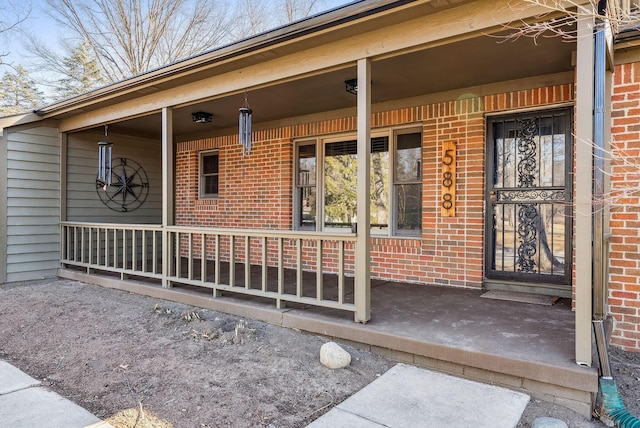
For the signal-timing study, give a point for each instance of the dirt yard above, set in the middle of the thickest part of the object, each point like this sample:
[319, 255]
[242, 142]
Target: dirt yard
[111, 351]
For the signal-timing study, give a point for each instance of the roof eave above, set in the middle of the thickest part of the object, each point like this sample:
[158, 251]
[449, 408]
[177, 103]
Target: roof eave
[332, 18]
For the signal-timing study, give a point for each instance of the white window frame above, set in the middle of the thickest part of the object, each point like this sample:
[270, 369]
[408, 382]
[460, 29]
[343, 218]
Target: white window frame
[201, 175]
[297, 200]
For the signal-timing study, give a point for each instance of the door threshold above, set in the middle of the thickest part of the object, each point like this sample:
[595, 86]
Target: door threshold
[528, 287]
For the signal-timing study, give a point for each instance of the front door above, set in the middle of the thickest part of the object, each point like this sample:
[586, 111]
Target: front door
[529, 193]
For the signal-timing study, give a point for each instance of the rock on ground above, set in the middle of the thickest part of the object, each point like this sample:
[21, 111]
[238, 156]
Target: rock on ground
[333, 356]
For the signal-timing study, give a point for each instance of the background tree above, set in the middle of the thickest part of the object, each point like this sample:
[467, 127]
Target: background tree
[340, 189]
[251, 17]
[18, 92]
[379, 187]
[80, 72]
[298, 9]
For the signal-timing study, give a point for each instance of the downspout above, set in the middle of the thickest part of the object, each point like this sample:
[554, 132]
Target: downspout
[612, 406]
[599, 92]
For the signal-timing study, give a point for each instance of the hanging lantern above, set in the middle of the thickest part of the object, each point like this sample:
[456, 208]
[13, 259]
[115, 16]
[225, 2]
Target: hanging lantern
[104, 159]
[244, 132]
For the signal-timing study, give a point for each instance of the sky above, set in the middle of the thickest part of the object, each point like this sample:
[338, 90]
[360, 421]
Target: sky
[37, 22]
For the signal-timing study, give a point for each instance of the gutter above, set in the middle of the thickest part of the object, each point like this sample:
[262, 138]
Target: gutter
[332, 18]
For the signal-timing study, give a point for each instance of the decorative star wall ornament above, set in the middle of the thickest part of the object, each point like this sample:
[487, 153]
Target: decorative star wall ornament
[128, 188]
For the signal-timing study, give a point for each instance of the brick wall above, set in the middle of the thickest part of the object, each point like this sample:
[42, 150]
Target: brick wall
[624, 255]
[453, 246]
[256, 192]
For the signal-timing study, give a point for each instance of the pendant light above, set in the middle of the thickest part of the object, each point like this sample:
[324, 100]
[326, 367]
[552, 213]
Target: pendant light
[104, 158]
[244, 132]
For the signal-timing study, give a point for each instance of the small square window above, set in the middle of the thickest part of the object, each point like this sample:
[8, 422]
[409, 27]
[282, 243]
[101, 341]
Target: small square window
[209, 175]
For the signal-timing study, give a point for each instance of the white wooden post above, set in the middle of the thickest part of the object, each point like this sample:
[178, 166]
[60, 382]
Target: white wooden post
[583, 191]
[363, 243]
[168, 197]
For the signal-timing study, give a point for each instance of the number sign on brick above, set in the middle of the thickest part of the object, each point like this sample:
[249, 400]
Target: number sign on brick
[448, 179]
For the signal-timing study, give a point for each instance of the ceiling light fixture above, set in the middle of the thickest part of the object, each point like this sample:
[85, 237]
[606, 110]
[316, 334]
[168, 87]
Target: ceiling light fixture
[201, 117]
[351, 86]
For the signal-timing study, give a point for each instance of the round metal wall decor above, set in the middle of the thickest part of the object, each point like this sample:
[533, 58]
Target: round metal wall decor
[129, 186]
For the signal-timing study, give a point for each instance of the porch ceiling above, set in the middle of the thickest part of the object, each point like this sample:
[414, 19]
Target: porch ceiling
[459, 65]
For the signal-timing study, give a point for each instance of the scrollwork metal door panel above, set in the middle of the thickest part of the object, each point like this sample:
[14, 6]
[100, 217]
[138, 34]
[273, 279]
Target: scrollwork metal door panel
[529, 194]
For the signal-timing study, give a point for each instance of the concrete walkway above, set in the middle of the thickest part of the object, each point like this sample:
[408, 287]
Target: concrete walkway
[407, 396]
[25, 403]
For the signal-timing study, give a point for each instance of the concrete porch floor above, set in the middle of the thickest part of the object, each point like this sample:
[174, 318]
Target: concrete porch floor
[522, 346]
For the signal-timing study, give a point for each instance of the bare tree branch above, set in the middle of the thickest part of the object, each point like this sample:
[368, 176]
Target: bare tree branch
[298, 9]
[560, 17]
[12, 14]
[252, 17]
[257, 16]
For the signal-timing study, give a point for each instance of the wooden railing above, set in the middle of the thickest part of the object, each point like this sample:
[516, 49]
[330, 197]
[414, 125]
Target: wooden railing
[304, 268]
[125, 249]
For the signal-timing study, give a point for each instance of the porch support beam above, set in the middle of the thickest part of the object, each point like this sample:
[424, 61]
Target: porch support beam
[583, 191]
[363, 243]
[167, 190]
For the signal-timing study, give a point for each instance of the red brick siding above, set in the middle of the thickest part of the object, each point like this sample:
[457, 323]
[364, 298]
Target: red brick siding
[624, 255]
[255, 191]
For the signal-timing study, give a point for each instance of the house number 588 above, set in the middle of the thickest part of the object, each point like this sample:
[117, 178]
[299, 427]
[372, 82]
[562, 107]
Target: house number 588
[448, 179]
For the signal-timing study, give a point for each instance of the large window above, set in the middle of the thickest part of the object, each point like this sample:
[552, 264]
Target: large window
[325, 196]
[209, 174]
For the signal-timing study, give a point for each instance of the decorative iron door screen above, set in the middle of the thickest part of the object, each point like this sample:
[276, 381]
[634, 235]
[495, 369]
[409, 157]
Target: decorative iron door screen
[529, 193]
